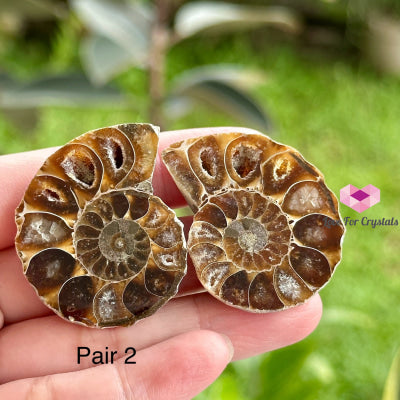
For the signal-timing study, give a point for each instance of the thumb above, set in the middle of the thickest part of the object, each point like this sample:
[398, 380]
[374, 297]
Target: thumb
[176, 369]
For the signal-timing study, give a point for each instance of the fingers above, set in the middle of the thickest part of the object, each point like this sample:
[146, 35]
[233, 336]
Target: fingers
[17, 170]
[18, 299]
[250, 334]
[176, 369]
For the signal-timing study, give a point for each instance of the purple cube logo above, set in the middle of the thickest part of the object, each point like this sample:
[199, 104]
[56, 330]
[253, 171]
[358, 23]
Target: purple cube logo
[360, 199]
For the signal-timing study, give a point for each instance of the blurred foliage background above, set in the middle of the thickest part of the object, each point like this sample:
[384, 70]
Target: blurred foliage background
[320, 75]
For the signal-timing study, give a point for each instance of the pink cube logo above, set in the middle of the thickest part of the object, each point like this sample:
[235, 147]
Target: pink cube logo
[360, 199]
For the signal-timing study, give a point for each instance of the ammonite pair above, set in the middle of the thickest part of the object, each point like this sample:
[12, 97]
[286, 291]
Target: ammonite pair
[102, 251]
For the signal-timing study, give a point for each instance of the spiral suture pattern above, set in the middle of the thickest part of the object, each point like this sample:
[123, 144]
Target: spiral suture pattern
[266, 233]
[97, 246]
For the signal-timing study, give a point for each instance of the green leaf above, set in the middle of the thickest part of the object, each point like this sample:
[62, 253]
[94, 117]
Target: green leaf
[64, 90]
[103, 58]
[203, 16]
[218, 91]
[128, 25]
[232, 74]
[391, 390]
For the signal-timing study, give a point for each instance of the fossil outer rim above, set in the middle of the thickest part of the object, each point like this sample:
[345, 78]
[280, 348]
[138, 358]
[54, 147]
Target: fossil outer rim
[108, 160]
[185, 166]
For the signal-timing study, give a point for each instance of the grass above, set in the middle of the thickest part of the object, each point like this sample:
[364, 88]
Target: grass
[345, 119]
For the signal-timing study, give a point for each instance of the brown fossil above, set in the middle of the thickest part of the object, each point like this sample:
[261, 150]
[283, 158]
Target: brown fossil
[97, 246]
[266, 233]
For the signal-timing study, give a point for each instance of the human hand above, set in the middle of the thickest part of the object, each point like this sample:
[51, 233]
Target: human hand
[181, 349]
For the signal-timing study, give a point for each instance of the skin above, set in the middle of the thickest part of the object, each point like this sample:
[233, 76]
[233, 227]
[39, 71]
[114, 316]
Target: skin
[181, 349]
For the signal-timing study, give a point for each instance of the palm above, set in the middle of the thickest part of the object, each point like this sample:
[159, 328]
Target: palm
[181, 349]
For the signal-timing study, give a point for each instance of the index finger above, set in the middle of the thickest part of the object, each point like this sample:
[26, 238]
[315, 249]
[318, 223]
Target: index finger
[17, 170]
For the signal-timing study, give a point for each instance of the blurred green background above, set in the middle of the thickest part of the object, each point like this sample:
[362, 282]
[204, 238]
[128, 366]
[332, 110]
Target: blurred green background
[322, 76]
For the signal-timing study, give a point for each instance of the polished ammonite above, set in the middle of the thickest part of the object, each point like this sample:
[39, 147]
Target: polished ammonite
[266, 233]
[97, 246]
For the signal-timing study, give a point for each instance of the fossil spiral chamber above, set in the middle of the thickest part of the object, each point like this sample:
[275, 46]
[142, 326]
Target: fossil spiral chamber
[99, 248]
[266, 233]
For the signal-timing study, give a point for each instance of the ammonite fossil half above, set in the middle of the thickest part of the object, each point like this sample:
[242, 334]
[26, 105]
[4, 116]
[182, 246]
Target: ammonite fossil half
[267, 232]
[95, 243]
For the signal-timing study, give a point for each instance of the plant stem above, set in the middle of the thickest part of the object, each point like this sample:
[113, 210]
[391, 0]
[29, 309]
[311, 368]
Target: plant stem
[159, 47]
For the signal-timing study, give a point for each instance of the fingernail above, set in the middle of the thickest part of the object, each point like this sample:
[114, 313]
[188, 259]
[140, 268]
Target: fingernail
[230, 345]
[1, 319]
